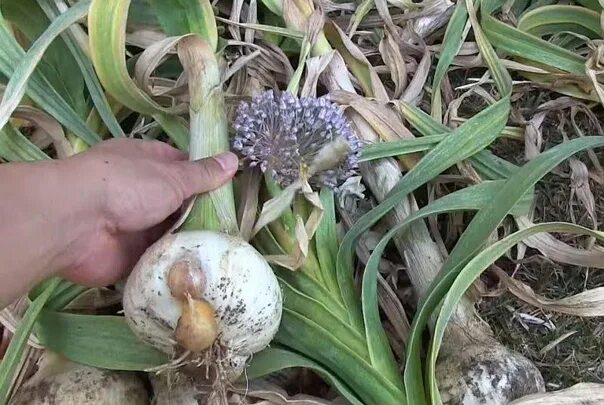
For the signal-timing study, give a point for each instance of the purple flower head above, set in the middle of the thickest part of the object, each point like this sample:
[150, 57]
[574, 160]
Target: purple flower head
[282, 134]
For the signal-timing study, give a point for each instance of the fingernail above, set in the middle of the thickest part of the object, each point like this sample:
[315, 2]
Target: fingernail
[228, 161]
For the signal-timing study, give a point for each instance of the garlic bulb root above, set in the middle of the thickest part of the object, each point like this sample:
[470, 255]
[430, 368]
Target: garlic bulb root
[181, 391]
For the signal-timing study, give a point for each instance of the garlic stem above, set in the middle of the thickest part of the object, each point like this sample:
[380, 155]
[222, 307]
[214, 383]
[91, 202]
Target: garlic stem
[209, 133]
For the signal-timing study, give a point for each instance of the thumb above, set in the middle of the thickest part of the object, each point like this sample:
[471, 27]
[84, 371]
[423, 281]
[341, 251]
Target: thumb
[204, 175]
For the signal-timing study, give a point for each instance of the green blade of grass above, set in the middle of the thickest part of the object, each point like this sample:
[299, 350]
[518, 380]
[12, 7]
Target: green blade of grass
[176, 128]
[491, 166]
[557, 18]
[181, 17]
[403, 147]
[326, 240]
[271, 31]
[481, 226]
[451, 44]
[62, 295]
[591, 4]
[360, 12]
[487, 164]
[71, 292]
[107, 29]
[39, 289]
[275, 359]
[19, 340]
[92, 82]
[304, 335]
[502, 78]
[141, 14]
[275, 6]
[321, 314]
[57, 64]
[96, 340]
[305, 48]
[15, 90]
[517, 43]
[15, 147]
[308, 286]
[40, 89]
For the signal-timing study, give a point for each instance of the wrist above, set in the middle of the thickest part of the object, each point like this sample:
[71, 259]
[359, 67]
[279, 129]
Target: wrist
[81, 213]
[40, 222]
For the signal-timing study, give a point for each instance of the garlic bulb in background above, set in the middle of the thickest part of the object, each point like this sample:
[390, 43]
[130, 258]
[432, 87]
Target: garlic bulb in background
[476, 369]
[578, 394]
[59, 381]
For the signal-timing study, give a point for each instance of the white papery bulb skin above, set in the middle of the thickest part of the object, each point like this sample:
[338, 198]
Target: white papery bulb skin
[477, 374]
[184, 277]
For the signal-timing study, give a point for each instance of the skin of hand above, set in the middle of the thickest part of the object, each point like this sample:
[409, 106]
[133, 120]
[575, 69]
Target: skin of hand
[88, 218]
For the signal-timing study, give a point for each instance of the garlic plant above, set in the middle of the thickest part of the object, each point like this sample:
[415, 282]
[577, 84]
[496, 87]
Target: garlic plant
[203, 293]
[284, 136]
[474, 367]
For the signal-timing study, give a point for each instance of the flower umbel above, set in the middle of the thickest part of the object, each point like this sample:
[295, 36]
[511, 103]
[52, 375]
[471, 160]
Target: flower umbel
[283, 135]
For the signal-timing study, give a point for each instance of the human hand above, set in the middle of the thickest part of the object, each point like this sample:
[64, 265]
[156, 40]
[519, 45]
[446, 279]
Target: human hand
[134, 188]
[101, 208]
